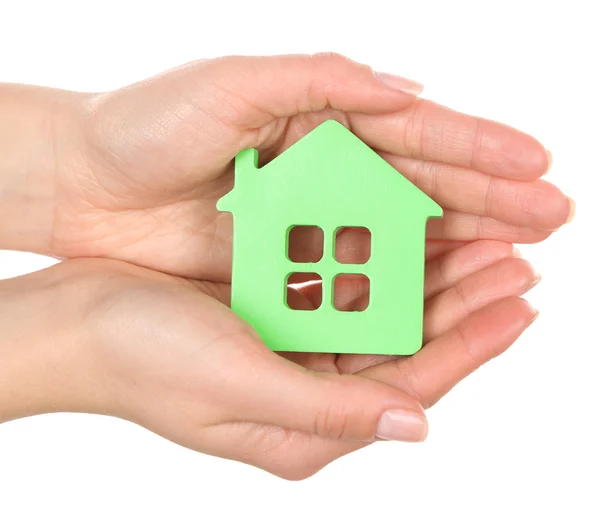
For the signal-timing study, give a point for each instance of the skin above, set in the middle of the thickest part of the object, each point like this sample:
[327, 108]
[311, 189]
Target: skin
[125, 184]
[131, 173]
[107, 337]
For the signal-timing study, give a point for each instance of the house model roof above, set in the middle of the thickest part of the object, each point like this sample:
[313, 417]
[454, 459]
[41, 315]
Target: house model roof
[329, 167]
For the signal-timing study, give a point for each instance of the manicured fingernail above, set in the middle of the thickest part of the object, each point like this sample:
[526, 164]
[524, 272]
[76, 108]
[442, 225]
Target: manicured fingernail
[402, 425]
[399, 83]
[549, 161]
[572, 209]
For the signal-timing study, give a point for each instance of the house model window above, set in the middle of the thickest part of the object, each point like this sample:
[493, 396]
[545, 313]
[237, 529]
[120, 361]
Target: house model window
[346, 292]
[291, 217]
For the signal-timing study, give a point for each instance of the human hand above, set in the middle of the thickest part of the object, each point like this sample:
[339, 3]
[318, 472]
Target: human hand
[166, 353]
[137, 171]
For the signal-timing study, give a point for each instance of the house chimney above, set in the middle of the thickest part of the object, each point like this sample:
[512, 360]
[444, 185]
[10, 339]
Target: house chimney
[246, 162]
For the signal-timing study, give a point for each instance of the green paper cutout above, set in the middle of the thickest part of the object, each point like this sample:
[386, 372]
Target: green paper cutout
[329, 179]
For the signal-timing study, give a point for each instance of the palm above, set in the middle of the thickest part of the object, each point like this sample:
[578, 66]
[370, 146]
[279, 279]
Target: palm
[165, 216]
[157, 161]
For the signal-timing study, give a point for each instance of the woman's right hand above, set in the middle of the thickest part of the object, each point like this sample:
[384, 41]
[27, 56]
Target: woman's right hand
[134, 174]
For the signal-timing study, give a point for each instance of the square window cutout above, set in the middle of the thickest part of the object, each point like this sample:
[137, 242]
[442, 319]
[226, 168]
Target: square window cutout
[351, 292]
[352, 245]
[305, 243]
[311, 297]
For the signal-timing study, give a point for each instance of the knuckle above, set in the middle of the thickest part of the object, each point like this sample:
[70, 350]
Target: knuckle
[484, 250]
[407, 379]
[466, 346]
[418, 133]
[462, 300]
[333, 422]
[328, 71]
[445, 272]
[330, 58]
[333, 61]
[490, 197]
[530, 201]
[476, 148]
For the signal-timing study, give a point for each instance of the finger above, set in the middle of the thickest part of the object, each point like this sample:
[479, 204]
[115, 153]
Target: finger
[437, 248]
[250, 92]
[354, 363]
[340, 407]
[444, 272]
[439, 273]
[321, 362]
[445, 361]
[351, 292]
[430, 132]
[538, 204]
[447, 262]
[469, 280]
[459, 226]
[509, 277]
[352, 245]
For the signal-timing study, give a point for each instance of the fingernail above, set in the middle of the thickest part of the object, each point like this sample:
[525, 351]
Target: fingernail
[517, 253]
[534, 313]
[399, 83]
[535, 316]
[533, 282]
[536, 279]
[549, 161]
[402, 425]
[572, 209]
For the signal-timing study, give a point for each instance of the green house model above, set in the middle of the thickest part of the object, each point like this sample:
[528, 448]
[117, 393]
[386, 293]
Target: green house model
[332, 180]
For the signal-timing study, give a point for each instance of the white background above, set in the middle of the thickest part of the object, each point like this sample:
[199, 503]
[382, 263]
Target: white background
[515, 447]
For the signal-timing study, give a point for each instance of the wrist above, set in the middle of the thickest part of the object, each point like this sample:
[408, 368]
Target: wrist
[44, 366]
[38, 141]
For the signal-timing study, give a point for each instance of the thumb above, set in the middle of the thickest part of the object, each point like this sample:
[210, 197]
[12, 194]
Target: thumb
[193, 120]
[332, 406]
[250, 92]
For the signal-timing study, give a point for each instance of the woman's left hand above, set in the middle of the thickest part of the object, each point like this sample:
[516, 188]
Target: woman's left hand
[102, 336]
